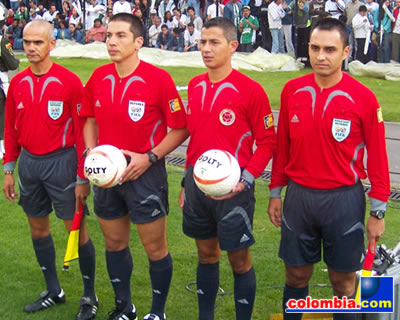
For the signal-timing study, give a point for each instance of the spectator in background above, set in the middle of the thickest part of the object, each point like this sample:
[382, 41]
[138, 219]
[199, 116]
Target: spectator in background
[107, 17]
[168, 19]
[76, 35]
[212, 10]
[12, 31]
[383, 19]
[22, 12]
[18, 41]
[287, 26]
[195, 4]
[94, 11]
[194, 18]
[371, 6]
[154, 31]
[361, 28]
[75, 18]
[302, 24]
[14, 4]
[233, 11]
[351, 10]
[317, 7]
[10, 18]
[164, 7]
[179, 19]
[248, 27]
[66, 9]
[63, 32]
[42, 9]
[396, 33]
[121, 6]
[266, 39]
[163, 38]
[33, 13]
[276, 11]
[177, 42]
[51, 14]
[192, 38]
[335, 8]
[97, 33]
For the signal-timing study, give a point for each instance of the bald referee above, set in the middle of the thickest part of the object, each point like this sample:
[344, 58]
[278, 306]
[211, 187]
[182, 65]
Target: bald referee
[327, 120]
[43, 130]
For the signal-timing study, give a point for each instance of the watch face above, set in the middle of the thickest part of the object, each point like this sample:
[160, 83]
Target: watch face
[380, 214]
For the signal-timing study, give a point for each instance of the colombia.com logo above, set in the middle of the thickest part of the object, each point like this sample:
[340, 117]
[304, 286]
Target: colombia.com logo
[376, 296]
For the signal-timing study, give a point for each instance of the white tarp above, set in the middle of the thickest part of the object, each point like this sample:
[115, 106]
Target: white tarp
[259, 60]
[388, 71]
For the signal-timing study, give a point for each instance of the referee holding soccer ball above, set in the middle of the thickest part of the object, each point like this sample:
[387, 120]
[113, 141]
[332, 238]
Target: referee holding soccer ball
[226, 111]
[326, 121]
[43, 130]
[129, 104]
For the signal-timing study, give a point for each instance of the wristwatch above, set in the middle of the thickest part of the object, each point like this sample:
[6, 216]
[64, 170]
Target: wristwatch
[379, 214]
[247, 185]
[153, 158]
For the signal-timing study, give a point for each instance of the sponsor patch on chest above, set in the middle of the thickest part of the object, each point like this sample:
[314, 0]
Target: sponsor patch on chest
[55, 109]
[136, 110]
[340, 129]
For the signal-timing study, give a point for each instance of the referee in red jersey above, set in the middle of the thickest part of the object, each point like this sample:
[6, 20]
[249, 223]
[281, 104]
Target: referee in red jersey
[43, 130]
[227, 111]
[327, 120]
[129, 104]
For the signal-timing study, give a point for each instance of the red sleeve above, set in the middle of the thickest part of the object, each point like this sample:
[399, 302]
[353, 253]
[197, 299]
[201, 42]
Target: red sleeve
[79, 122]
[86, 109]
[10, 133]
[281, 158]
[171, 103]
[263, 131]
[377, 161]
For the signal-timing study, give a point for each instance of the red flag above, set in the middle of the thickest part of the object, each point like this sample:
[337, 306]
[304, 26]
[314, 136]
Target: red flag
[73, 239]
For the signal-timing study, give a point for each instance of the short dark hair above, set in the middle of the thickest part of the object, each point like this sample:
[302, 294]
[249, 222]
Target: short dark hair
[190, 24]
[177, 31]
[330, 24]
[164, 26]
[190, 8]
[135, 24]
[97, 19]
[362, 8]
[227, 26]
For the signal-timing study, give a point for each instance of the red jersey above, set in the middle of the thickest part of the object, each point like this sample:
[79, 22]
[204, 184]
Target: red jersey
[322, 134]
[42, 114]
[230, 115]
[133, 113]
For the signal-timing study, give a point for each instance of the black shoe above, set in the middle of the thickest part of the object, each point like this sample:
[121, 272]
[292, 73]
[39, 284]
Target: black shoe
[45, 301]
[88, 308]
[117, 314]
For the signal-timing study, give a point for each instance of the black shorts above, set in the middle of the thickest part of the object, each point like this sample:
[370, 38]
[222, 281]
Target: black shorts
[46, 181]
[230, 220]
[144, 199]
[335, 217]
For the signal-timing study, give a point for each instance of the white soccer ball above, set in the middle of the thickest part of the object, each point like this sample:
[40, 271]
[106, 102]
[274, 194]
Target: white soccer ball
[216, 172]
[104, 165]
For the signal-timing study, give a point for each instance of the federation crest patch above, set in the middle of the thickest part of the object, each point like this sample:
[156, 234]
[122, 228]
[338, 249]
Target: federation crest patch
[379, 114]
[55, 109]
[136, 110]
[269, 121]
[227, 117]
[340, 129]
[174, 105]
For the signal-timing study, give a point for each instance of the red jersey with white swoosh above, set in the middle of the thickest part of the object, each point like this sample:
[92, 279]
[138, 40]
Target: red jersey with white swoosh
[230, 115]
[42, 114]
[133, 112]
[322, 135]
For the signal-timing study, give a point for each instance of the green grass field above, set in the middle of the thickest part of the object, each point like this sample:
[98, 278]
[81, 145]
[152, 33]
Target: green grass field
[272, 82]
[22, 280]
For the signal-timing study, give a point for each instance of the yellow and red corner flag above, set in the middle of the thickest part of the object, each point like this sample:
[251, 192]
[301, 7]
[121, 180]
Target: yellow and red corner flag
[367, 267]
[73, 239]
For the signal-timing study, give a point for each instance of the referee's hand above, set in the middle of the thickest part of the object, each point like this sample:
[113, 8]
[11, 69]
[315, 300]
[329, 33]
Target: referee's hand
[8, 187]
[275, 211]
[375, 228]
[138, 164]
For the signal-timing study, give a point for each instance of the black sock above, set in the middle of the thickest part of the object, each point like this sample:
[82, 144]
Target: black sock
[207, 289]
[87, 264]
[160, 275]
[119, 266]
[46, 256]
[293, 293]
[245, 293]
